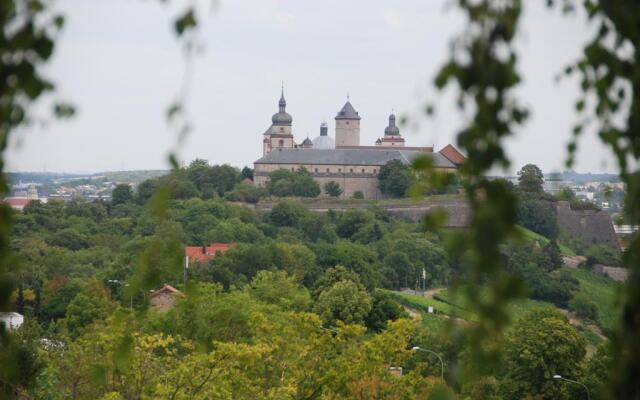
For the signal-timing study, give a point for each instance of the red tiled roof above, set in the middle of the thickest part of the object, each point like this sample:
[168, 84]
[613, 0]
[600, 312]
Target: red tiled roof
[166, 289]
[17, 201]
[452, 154]
[205, 253]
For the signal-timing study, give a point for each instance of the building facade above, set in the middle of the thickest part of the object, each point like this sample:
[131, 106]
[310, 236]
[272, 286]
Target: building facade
[343, 160]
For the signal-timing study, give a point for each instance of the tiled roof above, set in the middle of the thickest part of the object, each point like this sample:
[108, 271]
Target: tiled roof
[205, 253]
[452, 154]
[360, 157]
[17, 201]
[166, 289]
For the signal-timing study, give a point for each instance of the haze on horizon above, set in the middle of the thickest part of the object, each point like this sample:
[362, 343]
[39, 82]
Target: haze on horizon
[120, 64]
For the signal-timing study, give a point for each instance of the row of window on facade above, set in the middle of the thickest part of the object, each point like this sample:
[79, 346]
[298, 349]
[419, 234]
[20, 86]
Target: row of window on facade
[339, 170]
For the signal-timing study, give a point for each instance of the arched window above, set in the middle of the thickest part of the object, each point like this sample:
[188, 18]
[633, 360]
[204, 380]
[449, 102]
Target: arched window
[327, 169]
[281, 143]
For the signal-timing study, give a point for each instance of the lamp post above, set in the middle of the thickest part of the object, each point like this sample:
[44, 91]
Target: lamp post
[416, 348]
[125, 284]
[118, 282]
[560, 377]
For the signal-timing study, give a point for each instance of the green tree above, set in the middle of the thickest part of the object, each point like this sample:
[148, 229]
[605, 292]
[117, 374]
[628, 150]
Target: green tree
[345, 301]
[122, 194]
[395, 179]
[91, 304]
[530, 179]
[358, 194]
[584, 307]
[146, 190]
[281, 289]
[287, 213]
[350, 222]
[383, 309]
[333, 189]
[247, 173]
[540, 345]
[538, 215]
[332, 276]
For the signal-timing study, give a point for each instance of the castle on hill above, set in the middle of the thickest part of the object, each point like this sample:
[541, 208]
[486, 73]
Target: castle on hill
[342, 160]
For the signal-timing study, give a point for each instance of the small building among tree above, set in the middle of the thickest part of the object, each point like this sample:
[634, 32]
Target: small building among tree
[165, 298]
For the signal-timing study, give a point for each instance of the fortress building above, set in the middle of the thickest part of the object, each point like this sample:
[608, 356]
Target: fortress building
[343, 160]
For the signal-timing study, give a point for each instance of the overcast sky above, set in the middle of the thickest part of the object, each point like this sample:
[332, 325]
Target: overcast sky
[120, 64]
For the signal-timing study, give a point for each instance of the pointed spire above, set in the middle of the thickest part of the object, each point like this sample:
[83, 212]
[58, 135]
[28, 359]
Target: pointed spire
[282, 104]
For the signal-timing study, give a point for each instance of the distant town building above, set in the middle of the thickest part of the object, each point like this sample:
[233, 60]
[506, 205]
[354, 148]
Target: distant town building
[165, 298]
[343, 160]
[23, 197]
[17, 203]
[11, 320]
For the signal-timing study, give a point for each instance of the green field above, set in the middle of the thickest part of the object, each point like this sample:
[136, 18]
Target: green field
[531, 235]
[603, 291]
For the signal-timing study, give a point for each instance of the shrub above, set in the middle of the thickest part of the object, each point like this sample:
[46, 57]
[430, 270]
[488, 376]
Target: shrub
[332, 189]
[358, 194]
[584, 307]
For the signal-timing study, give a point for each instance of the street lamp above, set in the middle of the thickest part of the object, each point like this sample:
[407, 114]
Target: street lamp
[559, 377]
[118, 282]
[416, 348]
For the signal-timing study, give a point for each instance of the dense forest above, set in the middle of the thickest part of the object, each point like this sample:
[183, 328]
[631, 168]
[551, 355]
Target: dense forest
[303, 305]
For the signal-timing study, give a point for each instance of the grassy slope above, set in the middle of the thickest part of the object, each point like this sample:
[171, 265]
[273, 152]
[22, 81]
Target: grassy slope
[518, 310]
[603, 291]
[535, 236]
[422, 304]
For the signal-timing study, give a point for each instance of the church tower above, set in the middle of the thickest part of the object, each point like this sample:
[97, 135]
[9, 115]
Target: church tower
[279, 133]
[391, 134]
[347, 126]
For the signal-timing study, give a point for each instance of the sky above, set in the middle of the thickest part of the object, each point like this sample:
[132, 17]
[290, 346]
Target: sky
[119, 62]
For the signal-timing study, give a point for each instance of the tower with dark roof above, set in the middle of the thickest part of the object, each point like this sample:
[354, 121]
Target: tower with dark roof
[347, 126]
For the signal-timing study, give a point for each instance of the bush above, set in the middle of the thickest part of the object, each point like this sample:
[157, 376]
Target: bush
[358, 194]
[584, 307]
[246, 193]
[602, 254]
[332, 189]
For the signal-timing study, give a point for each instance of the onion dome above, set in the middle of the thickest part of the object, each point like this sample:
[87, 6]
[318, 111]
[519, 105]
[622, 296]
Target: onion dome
[378, 142]
[307, 143]
[347, 112]
[282, 117]
[324, 142]
[392, 129]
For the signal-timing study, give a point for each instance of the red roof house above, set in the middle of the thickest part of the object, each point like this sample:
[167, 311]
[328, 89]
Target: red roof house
[452, 154]
[202, 254]
[17, 203]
